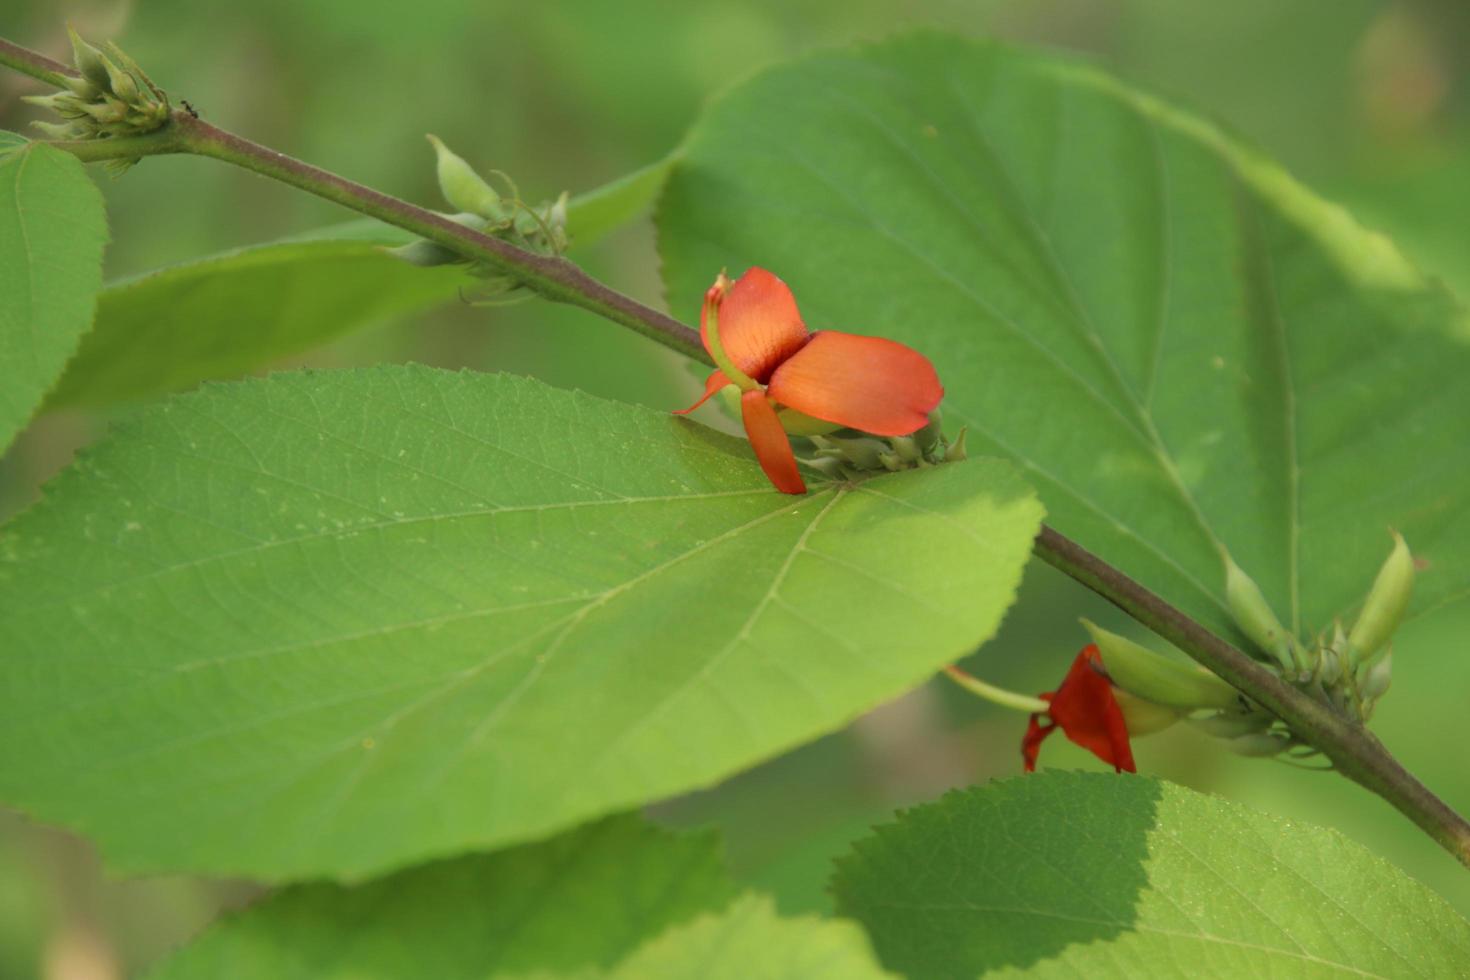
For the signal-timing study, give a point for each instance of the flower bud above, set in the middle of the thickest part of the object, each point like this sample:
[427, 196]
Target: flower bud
[1329, 667]
[1233, 724]
[82, 88]
[861, 452]
[426, 254]
[91, 62]
[930, 439]
[1386, 602]
[462, 187]
[55, 131]
[906, 448]
[1377, 678]
[1252, 613]
[1138, 670]
[121, 83]
[1260, 745]
[956, 451]
[1144, 717]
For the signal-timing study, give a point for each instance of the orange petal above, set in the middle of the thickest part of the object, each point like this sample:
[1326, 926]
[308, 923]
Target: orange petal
[760, 325]
[712, 384]
[1088, 714]
[867, 383]
[772, 447]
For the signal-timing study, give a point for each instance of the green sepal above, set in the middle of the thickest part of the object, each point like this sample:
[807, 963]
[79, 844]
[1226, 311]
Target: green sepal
[1153, 677]
[1233, 724]
[462, 187]
[1261, 745]
[1386, 602]
[1253, 614]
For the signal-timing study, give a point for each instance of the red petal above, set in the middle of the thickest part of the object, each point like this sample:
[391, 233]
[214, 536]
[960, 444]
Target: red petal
[868, 383]
[760, 325]
[1088, 714]
[1031, 744]
[712, 384]
[772, 447]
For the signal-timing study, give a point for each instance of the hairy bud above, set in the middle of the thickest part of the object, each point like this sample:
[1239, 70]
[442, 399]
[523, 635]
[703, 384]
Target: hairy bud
[1386, 602]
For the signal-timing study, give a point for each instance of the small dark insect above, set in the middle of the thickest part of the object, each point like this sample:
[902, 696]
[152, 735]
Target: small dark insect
[188, 108]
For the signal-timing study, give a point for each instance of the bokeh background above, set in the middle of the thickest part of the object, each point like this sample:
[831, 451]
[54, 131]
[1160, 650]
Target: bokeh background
[1368, 102]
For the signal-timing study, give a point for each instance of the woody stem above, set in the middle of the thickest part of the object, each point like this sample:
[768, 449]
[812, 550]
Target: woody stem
[1353, 750]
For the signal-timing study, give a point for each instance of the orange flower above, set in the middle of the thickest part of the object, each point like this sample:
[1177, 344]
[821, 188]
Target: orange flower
[792, 380]
[1086, 711]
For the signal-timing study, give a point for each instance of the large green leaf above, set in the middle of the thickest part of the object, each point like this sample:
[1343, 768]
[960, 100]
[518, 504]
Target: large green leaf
[52, 229]
[617, 900]
[1180, 345]
[1094, 875]
[585, 899]
[330, 623]
[230, 314]
[750, 942]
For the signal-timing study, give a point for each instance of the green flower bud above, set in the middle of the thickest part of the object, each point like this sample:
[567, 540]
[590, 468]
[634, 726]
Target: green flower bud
[122, 83]
[956, 450]
[1260, 745]
[462, 187]
[1376, 679]
[1143, 717]
[930, 439]
[1329, 667]
[58, 131]
[1138, 670]
[905, 448]
[1252, 613]
[1233, 724]
[862, 452]
[1386, 602]
[82, 88]
[426, 254]
[91, 62]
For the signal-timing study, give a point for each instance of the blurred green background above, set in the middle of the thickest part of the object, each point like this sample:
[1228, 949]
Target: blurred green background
[1366, 101]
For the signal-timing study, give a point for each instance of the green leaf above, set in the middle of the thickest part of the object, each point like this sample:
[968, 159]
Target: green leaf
[229, 314]
[585, 899]
[1094, 875]
[332, 623]
[232, 313]
[595, 214]
[11, 141]
[1180, 345]
[52, 230]
[750, 942]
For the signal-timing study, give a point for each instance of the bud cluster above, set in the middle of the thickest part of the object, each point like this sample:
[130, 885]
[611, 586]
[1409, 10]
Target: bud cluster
[479, 206]
[845, 453]
[1349, 671]
[113, 97]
